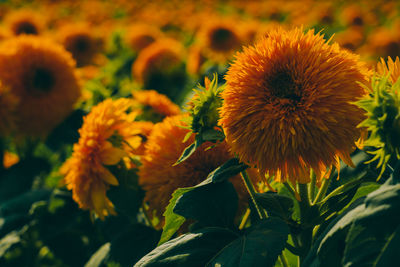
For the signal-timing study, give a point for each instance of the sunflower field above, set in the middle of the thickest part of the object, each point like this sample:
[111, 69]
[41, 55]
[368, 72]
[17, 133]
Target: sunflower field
[199, 133]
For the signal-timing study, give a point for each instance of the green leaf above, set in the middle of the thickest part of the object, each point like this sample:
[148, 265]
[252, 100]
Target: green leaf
[8, 241]
[189, 150]
[336, 202]
[212, 135]
[173, 221]
[229, 169]
[193, 249]
[259, 246]
[210, 204]
[373, 226]
[275, 204]
[100, 257]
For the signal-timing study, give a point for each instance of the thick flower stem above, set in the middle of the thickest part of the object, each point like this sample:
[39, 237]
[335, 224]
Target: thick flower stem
[252, 192]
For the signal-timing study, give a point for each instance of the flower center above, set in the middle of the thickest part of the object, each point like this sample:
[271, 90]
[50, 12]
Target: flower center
[281, 85]
[223, 39]
[43, 80]
[26, 28]
[82, 43]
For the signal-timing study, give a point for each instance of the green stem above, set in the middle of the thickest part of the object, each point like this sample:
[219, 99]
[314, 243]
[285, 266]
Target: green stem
[312, 185]
[252, 192]
[245, 218]
[322, 190]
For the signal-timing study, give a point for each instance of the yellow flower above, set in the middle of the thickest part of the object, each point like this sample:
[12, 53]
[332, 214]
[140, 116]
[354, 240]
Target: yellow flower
[288, 104]
[41, 75]
[107, 135]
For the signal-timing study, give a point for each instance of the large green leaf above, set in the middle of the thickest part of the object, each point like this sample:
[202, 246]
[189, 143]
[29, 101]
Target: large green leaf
[259, 246]
[373, 226]
[360, 236]
[275, 204]
[174, 221]
[212, 204]
[193, 249]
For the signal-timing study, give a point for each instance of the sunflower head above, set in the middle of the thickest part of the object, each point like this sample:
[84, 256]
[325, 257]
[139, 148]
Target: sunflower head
[80, 41]
[383, 121]
[106, 137]
[219, 40]
[160, 66]
[288, 104]
[42, 76]
[25, 22]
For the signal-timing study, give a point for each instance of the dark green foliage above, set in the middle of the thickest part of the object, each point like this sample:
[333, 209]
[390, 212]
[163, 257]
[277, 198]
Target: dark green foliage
[192, 249]
[260, 245]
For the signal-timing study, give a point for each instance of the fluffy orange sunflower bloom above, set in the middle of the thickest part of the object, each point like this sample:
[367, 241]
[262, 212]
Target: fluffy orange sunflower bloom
[391, 66]
[41, 75]
[288, 104]
[159, 103]
[106, 137]
[159, 178]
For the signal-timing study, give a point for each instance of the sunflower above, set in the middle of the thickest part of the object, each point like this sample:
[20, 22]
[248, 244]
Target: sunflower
[288, 104]
[25, 22]
[80, 41]
[41, 75]
[106, 137]
[158, 57]
[155, 105]
[160, 66]
[219, 39]
[392, 67]
[159, 178]
[140, 36]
